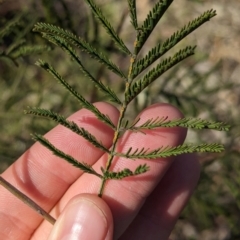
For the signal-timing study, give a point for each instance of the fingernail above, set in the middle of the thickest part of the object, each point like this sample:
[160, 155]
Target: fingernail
[81, 220]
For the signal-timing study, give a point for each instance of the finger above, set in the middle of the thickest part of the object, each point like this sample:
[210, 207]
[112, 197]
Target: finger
[125, 197]
[85, 217]
[44, 177]
[161, 210]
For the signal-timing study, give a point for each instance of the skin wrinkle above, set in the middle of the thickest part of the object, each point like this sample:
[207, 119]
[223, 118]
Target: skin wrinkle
[58, 179]
[8, 229]
[13, 222]
[25, 180]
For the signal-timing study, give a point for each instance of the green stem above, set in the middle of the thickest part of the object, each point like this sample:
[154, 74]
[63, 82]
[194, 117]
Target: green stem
[102, 188]
[118, 128]
[115, 139]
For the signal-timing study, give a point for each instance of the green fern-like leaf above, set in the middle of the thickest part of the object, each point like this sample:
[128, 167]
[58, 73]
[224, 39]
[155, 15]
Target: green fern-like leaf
[68, 124]
[150, 23]
[105, 89]
[195, 123]
[141, 169]
[125, 172]
[72, 39]
[118, 175]
[158, 51]
[134, 85]
[133, 13]
[83, 166]
[104, 118]
[106, 24]
[156, 72]
[164, 152]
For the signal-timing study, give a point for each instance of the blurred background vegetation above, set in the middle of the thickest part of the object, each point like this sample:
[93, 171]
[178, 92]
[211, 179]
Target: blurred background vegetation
[205, 85]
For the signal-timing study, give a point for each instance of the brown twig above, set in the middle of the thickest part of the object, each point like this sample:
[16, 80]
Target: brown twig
[27, 200]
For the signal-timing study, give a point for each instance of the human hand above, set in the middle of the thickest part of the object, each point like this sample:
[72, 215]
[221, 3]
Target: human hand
[140, 207]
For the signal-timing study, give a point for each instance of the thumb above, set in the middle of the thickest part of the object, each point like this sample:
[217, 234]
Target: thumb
[87, 217]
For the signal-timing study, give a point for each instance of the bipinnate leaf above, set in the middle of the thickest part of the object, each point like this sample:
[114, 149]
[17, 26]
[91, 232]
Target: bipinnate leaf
[140, 76]
[67, 48]
[133, 12]
[125, 172]
[68, 124]
[72, 39]
[137, 86]
[158, 51]
[104, 118]
[83, 166]
[168, 151]
[195, 123]
[108, 27]
[150, 23]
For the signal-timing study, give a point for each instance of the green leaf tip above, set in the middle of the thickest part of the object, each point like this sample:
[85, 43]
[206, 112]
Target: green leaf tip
[133, 13]
[150, 23]
[109, 29]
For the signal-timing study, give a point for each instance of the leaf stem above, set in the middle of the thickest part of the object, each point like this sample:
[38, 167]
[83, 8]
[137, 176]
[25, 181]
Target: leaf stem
[102, 187]
[27, 200]
[115, 139]
[119, 124]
